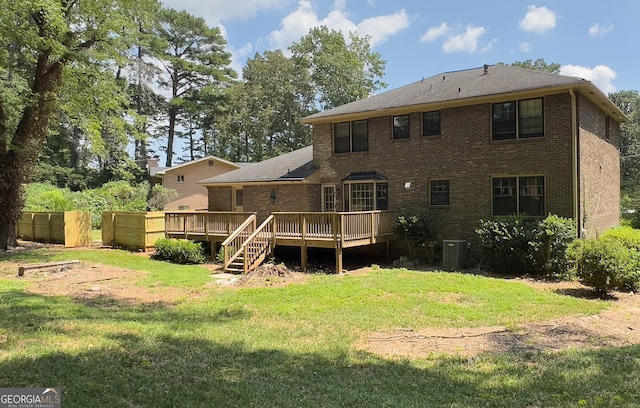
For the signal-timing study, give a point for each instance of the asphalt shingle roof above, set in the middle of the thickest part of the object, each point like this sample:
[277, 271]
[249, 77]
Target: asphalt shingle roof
[293, 166]
[456, 86]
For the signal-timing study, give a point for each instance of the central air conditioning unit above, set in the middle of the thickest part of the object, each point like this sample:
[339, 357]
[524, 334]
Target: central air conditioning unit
[454, 254]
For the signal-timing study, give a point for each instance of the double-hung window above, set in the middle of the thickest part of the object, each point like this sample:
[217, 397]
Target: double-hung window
[401, 127]
[518, 195]
[439, 192]
[431, 123]
[518, 119]
[350, 137]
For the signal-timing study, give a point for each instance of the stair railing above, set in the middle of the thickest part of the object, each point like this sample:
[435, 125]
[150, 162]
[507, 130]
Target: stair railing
[232, 247]
[259, 244]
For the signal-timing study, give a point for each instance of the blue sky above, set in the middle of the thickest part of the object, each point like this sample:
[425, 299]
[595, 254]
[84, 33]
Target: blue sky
[595, 40]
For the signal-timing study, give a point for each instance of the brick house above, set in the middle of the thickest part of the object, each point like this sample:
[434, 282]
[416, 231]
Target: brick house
[469, 144]
[289, 182]
[184, 179]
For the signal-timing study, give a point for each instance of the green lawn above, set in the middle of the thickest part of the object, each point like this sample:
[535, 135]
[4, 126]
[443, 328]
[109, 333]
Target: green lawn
[293, 346]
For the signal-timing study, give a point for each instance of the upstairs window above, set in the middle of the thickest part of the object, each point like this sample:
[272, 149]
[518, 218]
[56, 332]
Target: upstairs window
[350, 137]
[530, 118]
[517, 120]
[401, 127]
[180, 179]
[431, 123]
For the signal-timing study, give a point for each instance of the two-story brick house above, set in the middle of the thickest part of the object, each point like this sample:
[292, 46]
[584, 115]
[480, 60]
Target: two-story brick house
[469, 144]
[473, 144]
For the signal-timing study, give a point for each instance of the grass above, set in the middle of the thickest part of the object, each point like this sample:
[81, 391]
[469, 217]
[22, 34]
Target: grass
[293, 346]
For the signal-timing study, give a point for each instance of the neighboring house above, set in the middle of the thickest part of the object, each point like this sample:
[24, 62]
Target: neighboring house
[289, 182]
[184, 179]
[468, 144]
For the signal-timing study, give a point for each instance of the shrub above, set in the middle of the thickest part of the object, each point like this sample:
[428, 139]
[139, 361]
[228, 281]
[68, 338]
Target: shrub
[603, 264]
[417, 226]
[629, 238]
[179, 251]
[551, 238]
[505, 242]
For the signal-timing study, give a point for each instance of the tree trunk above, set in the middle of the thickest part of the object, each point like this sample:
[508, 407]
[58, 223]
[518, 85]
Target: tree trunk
[173, 112]
[16, 162]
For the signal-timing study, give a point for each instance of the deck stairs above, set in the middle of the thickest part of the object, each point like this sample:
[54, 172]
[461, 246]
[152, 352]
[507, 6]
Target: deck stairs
[248, 246]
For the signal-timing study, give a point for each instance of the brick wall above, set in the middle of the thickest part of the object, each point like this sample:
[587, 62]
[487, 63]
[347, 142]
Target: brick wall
[599, 170]
[288, 197]
[220, 199]
[465, 155]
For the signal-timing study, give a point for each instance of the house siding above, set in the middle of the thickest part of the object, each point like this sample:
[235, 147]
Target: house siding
[599, 170]
[466, 155]
[190, 193]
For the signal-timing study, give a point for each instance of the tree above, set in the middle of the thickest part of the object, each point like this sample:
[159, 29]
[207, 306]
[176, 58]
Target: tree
[193, 57]
[629, 103]
[537, 65]
[269, 105]
[48, 36]
[342, 71]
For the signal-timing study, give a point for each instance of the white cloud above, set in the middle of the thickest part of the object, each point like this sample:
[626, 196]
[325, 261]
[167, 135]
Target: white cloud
[597, 30]
[467, 41]
[239, 56]
[538, 20]
[601, 75]
[524, 47]
[435, 32]
[380, 28]
[301, 20]
[215, 11]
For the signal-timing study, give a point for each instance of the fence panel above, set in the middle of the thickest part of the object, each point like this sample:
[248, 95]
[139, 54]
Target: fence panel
[132, 230]
[71, 228]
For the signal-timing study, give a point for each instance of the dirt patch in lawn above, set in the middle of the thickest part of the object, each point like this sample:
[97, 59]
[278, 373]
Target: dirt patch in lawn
[616, 326]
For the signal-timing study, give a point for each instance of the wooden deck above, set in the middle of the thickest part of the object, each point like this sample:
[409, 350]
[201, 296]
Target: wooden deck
[336, 230]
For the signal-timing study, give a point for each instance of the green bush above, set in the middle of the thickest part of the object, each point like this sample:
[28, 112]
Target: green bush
[629, 238]
[505, 242]
[551, 238]
[45, 197]
[179, 251]
[603, 264]
[417, 226]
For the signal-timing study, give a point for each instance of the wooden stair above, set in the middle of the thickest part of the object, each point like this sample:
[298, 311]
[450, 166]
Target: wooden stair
[247, 247]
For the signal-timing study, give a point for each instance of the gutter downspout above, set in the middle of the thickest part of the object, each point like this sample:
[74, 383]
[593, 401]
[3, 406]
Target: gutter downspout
[575, 170]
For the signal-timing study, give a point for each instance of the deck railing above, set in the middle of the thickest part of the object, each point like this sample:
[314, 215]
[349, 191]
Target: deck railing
[338, 226]
[356, 228]
[187, 223]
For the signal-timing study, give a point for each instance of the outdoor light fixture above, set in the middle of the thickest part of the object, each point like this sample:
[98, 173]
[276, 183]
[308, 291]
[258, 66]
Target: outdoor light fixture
[407, 185]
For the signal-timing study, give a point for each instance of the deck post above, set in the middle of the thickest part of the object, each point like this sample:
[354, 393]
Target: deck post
[338, 259]
[303, 257]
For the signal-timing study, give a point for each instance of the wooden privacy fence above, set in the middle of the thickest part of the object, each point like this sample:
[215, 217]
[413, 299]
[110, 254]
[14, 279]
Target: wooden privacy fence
[71, 228]
[132, 230]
